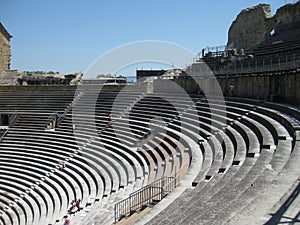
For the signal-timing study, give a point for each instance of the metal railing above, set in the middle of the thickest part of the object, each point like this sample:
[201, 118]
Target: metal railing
[261, 64]
[61, 118]
[52, 119]
[144, 197]
[11, 122]
[3, 134]
[13, 118]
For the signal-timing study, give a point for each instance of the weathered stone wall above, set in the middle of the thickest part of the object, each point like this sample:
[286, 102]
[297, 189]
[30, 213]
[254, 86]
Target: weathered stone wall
[4, 49]
[282, 88]
[36, 88]
[255, 25]
[168, 86]
[13, 77]
[250, 27]
[287, 17]
[279, 88]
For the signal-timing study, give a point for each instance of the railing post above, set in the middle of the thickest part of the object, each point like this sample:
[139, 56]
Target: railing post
[149, 193]
[13, 118]
[144, 196]
[235, 67]
[115, 212]
[130, 205]
[271, 63]
[175, 182]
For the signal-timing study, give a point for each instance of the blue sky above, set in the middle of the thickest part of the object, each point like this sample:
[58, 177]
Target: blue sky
[68, 35]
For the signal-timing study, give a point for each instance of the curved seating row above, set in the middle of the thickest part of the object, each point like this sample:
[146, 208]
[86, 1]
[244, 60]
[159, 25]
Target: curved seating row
[243, 146]
[122, 137]
[263, 145]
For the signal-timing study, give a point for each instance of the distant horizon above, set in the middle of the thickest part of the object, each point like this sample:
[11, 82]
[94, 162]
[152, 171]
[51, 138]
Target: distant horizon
[68, 36]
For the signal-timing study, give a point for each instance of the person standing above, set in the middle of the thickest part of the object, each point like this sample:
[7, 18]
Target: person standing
[230, 90]
[67, 221]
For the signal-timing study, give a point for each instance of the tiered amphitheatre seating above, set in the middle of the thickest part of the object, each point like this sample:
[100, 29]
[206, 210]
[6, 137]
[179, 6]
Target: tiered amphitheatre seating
[35, 101]
[242, 136]
[280, 47]
[264, 142]
[27, 160]
[133, 166]
[265, 60]
[113, 148]
[242, 149]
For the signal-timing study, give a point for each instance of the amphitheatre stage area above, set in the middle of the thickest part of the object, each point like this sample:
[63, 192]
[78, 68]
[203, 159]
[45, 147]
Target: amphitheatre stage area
[216, 142]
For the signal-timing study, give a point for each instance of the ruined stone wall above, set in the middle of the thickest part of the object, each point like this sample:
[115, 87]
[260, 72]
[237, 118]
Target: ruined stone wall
[255, 25]
[4, 49]
[250, 27]
[287, 17]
